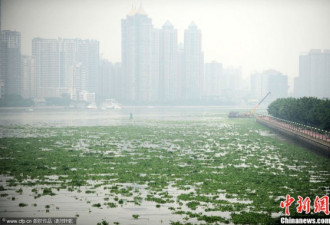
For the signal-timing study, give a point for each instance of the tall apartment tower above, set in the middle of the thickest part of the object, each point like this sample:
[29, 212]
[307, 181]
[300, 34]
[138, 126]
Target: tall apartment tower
[168, 84]
[80, 64]
[0, 17]
[29, 89]
[46, 53]
[110, 80]
[1, 81]
[93, 65]
[181, 82]
[213, 80]
[10, 58]
[137, 52]
[314, 75]
[65, 66]
[194, 63]
[155, 70]
[269, 80]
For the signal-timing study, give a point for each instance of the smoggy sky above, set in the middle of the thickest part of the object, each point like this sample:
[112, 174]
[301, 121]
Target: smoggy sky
[253, 34]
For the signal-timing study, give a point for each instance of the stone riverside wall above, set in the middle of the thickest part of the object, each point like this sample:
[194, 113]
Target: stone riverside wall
[308, 139]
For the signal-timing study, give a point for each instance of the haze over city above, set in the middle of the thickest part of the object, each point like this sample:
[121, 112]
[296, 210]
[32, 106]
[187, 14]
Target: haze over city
[254, 35]
[155, 112]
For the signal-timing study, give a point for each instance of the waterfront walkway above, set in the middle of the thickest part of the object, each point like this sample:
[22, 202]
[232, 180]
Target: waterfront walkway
[310, 135]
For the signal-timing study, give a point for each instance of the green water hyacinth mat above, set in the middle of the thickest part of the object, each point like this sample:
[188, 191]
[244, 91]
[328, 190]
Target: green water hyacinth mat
[190, 172]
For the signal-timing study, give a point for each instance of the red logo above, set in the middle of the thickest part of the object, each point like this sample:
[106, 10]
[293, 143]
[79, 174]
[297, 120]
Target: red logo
[320, 204]
[304, 205]
[286, 204]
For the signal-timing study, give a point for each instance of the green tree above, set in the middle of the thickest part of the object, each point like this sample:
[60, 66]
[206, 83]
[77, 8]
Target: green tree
[310, 111]
[15, 101]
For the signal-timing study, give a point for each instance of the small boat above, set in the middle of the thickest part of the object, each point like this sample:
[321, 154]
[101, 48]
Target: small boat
[92, 106]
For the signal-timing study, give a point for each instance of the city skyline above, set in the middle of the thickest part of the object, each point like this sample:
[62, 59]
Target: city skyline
[252, 34]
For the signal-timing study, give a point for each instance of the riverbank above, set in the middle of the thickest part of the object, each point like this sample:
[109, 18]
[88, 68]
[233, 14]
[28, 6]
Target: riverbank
[310, 139]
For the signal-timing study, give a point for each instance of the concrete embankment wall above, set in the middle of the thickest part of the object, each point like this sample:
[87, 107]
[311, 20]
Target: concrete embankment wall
[305, 140]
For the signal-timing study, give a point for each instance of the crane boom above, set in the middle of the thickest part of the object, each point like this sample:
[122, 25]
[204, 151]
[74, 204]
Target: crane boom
[252, 112]
[264, 98]
[249, 114]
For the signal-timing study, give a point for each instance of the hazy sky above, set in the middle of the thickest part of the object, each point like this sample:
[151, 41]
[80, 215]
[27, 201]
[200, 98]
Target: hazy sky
[254, 34]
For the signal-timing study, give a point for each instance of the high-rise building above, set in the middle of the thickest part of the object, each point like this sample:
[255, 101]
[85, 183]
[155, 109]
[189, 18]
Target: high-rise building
[28, 76]
[77, 79]
[110, 80]
[168, 84]
[106, 70]
[232, 79]
[0, 18]
[181, 81]
[2, 89]
[269, 81]
[10, 58]
[46, 53]
[213, 80]
[155, 60]
[65, 66]
[314, 75]
[1, 81]
[137, 52]
[194, 63]
[83, 55]
[93, 65]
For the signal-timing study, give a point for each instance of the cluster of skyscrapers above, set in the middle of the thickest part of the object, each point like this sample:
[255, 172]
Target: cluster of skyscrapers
[314, 75]
[56, 67]
[154, 68]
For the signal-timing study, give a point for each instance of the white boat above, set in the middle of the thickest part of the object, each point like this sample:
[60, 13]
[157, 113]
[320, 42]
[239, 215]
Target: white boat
[92, 106]
[110, 104]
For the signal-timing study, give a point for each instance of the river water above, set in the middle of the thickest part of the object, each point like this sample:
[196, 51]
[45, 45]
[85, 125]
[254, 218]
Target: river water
[73, 117]
[68, 204]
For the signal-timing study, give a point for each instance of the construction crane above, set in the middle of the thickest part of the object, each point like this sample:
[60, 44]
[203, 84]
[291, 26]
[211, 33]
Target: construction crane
[253, 111]
[248, 114]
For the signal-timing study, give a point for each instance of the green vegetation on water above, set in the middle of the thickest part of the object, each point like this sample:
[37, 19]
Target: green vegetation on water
[103, 223]
[22, 204]
[200, 170]
[136, 216]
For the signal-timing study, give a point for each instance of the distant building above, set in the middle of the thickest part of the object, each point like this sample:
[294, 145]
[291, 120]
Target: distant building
[194, 63]
[29, 89]
[10, 57]
[269, 80]
[155, 62]
[213, 80]
[83, 55]
[77, 76]
[65, 65]
[181, 78]
[232, 80]
[2, 88]
[110, 85]
[0, 50]
[93, 64]
[154, 67]
[0, 17]
[116, 84]
[88, 97]
[168, 69]
[314, 75]
[137, 51]
[46, 53]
